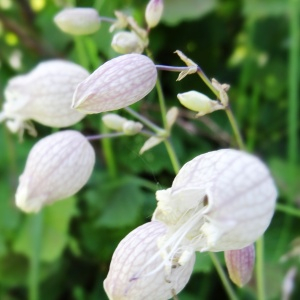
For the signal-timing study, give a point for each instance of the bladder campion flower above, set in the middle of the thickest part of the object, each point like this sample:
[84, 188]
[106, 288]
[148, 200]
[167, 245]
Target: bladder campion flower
[221, 200]
[135, 271]
[127, 42]
[57, 167]
[78, 20]
[43, 95]
[116, 84]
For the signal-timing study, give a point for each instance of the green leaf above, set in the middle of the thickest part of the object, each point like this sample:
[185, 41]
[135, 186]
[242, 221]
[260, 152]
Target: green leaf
[55, 226]
[176, 11]
[203, 263]
[123, 207]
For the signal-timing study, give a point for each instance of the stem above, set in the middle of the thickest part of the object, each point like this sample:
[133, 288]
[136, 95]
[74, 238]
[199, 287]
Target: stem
[162, 104]
[103, 136]
[235, 128]
[288, 210]
[223, 276]
[108, 153]
[172, 155]
[81, 54]
[171, 68]
[36, 227]
[108, 20]
[145, 121]
[260, 269]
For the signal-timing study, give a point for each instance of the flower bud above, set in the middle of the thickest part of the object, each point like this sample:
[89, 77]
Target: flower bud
[57, 167]
[154, 12]
[127, 42]
[78, 21]
[240, 264]
[199, 102]
[221, 200]
[43, 95]
[116, 84]
[132, 128]
[138, 271]
[114, 121]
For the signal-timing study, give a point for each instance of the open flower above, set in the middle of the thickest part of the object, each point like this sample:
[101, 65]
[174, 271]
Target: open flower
[43, 95]
[137, 270]
[57, 167]
[116, 84]
[221, 200]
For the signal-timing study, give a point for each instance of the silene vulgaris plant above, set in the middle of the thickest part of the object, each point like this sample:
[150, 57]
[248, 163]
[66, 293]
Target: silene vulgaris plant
[222, 200]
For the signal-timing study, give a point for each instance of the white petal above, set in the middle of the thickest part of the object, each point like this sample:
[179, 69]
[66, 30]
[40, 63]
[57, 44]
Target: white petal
[137, 269]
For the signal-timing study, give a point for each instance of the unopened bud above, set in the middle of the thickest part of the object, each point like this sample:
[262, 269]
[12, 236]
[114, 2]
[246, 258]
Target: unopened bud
[240, 264]
[127, 42]
[171, 117]
[116, 84]
[199, 102]
[78, 21]
[43, 95]
[154, 12]
[132, 128]
[114, 121]
[57, 167]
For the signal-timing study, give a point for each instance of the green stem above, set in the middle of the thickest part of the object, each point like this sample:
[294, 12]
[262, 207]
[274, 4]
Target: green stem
[288, 210]
[235, 128]
[145, 121]
[34, 270]
[261, 295]
[104, 136]
[162, 104]
[223, 276]
[173, 156]
[80, 51]
[108, 153]
[293, 82]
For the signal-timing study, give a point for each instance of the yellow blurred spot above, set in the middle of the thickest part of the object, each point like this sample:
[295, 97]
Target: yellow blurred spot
[5, 4]
[37, 5]
[11, 39]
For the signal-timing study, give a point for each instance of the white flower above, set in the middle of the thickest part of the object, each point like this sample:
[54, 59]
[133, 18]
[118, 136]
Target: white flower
[154, 12]
[78, 21]
[43, 95]
[137, 270]
[221, 200]
[116, 84]
[57, 167]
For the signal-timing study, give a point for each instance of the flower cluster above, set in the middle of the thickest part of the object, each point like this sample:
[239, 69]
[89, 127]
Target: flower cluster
[219, 201]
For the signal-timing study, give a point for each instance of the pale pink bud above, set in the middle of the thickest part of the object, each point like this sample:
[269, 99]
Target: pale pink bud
[221, 200]
[116, 84]
[57, 167]
[43, 95]
[127, 42]
[138, 269]
[240, 264]
[154, 12]
[78, 21]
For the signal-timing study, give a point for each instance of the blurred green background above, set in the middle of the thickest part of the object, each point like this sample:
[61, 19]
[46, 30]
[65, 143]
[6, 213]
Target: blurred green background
[64, 251]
